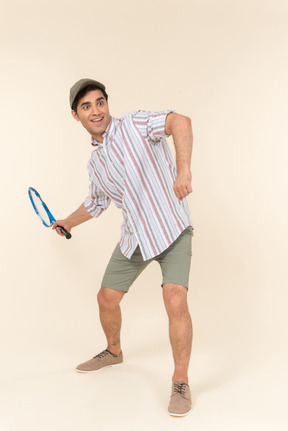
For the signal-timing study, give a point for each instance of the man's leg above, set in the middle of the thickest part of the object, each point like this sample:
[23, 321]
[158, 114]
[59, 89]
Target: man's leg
[120, 274]
[180, 329]
[180, 332]
[110, 317]
[118, 277]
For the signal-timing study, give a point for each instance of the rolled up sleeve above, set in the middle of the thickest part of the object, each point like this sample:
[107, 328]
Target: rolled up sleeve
[156, 125]
[96, 202]
[151, 124]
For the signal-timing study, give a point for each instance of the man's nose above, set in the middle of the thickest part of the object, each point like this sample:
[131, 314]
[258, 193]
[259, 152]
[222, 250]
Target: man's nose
[95, 109]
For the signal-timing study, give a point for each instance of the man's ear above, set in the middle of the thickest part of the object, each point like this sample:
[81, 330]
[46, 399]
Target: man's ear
[75, 115]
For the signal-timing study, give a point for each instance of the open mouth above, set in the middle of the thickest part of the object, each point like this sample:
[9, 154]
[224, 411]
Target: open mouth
[97, 120]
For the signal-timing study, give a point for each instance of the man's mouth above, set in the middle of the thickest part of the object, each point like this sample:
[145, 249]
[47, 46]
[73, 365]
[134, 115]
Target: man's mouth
[97, 120]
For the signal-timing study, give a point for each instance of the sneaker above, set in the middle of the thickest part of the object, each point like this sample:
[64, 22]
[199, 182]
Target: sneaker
[180, 401]
[102, 360]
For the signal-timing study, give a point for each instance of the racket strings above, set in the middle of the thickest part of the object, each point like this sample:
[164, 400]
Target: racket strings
[41, 210]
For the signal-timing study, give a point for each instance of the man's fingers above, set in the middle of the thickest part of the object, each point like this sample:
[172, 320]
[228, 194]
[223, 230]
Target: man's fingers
[56, 227]
[59, 231]
[182, 191]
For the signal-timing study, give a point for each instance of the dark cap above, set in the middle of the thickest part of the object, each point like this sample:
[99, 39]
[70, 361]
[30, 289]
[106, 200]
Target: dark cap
[79, 85]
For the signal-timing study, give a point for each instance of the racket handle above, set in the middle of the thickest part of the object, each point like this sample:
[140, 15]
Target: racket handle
[64, 231]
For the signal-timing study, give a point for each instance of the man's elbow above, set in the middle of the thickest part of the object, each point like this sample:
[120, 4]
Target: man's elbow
[186, 120]
[178, 121]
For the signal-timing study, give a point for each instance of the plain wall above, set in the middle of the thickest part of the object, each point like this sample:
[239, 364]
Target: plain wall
[224, 64]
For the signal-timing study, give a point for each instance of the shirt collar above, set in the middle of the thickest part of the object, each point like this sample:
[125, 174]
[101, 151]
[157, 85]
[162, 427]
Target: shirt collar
[108, 132]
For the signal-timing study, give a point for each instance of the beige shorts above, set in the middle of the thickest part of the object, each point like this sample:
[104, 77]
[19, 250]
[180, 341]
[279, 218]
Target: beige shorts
[174, 262]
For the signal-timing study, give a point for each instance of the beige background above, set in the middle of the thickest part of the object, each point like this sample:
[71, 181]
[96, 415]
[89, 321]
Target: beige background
[223, 63]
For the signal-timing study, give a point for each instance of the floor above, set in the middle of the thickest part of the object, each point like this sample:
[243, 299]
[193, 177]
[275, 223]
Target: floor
[41, 391]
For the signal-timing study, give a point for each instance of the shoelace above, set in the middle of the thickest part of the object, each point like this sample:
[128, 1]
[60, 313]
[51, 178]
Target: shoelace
[102, 354]
[179, 388]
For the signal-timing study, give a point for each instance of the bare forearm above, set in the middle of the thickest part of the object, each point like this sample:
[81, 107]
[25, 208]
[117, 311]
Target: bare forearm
[77, 217]
[179, 126]
[181, 130]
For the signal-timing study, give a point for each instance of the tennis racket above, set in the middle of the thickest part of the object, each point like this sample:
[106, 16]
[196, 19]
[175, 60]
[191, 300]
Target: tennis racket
[43, 212]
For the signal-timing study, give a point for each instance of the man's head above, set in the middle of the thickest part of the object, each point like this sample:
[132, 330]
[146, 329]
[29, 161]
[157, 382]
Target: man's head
[88, 100]
[81, 87]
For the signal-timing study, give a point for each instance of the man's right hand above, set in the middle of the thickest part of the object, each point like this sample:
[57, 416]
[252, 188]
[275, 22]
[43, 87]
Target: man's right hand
[62, 223]
[79, 216]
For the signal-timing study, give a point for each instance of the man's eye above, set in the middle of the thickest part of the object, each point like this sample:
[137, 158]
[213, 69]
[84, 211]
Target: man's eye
[85, 107]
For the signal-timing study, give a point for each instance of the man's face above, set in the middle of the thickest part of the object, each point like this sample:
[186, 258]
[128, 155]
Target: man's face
[93, 113]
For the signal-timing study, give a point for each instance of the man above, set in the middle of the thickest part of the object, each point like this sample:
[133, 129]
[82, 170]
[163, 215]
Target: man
[132, 166]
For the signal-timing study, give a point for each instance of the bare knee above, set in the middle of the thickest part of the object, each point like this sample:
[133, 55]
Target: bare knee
[109, 298]
[175, 300]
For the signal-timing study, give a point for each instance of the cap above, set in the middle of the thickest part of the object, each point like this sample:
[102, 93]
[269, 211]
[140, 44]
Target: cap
[79, 85]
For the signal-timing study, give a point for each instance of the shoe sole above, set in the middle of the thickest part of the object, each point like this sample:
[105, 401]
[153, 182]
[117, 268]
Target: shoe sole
[98, 369]
[180, 414]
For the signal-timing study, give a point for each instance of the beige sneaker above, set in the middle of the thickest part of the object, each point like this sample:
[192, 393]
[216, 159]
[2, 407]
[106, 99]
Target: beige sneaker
[103, 359]
[180, 401]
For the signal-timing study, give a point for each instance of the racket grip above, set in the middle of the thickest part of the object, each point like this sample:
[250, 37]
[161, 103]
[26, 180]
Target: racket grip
[64, 231]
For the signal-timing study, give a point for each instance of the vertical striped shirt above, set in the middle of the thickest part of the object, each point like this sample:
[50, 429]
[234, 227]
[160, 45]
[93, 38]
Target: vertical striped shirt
[134, 168]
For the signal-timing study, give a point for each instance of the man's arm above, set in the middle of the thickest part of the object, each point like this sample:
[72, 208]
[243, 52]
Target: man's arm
[79, 216]
[180, 128]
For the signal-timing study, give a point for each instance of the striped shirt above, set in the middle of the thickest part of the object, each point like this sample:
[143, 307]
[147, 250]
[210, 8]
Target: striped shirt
[134, 168]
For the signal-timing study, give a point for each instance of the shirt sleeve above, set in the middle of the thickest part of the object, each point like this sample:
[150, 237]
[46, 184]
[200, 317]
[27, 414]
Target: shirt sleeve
[152, 124]
[97, 201]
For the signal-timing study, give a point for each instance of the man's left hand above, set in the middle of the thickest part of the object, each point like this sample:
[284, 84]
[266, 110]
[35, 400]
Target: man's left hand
[182, 186]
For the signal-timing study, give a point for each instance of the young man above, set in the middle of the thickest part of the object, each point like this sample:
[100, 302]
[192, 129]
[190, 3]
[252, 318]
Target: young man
[132, 166]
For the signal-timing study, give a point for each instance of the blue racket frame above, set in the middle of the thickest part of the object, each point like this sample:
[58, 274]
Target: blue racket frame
[51, 218]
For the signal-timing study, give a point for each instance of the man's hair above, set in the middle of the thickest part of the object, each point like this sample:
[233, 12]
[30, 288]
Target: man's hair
[83, 92]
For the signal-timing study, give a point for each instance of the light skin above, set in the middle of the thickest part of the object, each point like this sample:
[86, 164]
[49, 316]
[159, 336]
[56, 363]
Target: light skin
[93, 113]
[180, 324]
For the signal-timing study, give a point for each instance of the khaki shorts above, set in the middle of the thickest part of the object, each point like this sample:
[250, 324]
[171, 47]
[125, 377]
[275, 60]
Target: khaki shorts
[174, 262]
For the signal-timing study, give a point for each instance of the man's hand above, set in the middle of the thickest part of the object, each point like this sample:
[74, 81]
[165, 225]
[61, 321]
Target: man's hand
[182, 186]
[180, 128]
[79, 216]
[62, 223]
